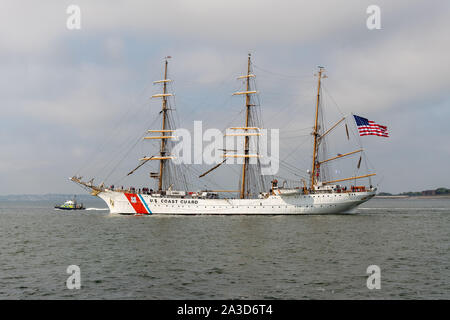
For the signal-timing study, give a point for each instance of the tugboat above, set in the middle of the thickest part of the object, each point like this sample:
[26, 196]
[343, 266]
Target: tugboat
[70, 205]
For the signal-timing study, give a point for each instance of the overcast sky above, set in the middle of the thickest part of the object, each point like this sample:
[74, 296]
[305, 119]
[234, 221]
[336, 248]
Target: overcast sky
[74, 100]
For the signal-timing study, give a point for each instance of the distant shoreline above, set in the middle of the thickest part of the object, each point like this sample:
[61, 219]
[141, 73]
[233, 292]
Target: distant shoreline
[46, 197]
[414, 197]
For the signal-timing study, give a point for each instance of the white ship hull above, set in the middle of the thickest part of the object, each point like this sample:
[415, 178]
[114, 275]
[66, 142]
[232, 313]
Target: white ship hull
[321, 203]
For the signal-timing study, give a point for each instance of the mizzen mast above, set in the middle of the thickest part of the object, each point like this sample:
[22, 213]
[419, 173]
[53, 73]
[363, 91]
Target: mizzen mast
[319, 137]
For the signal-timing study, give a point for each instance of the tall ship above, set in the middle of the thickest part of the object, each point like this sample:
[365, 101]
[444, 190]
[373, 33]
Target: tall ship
[255, 194]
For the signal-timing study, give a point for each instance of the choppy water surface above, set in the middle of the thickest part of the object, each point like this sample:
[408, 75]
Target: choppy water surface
[237, 257]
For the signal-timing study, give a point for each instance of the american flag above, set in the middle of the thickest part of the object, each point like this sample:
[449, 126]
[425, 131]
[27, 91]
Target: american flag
[367, 127]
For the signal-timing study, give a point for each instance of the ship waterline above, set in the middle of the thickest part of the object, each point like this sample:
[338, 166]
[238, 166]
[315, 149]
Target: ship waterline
[292, 204]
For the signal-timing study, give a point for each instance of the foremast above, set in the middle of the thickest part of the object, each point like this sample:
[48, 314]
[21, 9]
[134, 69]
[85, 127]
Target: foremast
[165, 133]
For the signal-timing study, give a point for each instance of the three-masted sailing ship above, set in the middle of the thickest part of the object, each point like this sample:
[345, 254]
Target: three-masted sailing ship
[268, 197]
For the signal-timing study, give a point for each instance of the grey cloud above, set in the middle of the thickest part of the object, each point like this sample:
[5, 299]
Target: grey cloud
[73, 87]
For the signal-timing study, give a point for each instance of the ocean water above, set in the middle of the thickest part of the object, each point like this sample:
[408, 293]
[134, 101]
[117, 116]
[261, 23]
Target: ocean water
[217, 257]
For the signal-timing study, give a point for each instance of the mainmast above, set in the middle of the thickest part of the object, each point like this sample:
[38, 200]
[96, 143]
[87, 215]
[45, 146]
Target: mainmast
[315, 163]
[243, 188]
[247, 111]
[244, 191]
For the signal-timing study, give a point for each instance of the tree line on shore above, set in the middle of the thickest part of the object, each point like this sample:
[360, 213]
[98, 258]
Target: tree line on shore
[435, 192]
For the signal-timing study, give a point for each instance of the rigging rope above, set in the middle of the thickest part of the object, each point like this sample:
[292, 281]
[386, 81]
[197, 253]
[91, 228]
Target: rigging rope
[108, 136]
[282, 75]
